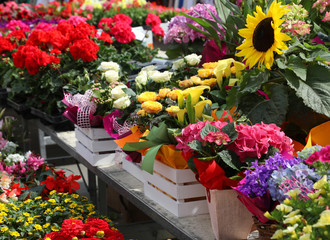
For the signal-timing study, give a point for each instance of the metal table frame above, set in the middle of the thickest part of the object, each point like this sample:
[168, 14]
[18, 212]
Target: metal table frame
[195, 227]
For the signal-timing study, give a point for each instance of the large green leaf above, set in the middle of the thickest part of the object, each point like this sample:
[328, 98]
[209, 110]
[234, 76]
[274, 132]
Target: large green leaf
[230, 130]
[297, 66]
[257, 108]
[149, 159]
[253, 80]
[229, 160]
[196, 145]
[315, 91]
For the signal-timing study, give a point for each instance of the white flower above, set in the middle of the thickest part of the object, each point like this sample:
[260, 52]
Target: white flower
[193, 59]
[178, 64]
[122, 103]
[13, 158]
[148, 68]
[105, 66]
[10, 147]
[161, 77]
[111, 76]
[118, 92]
[142, 79]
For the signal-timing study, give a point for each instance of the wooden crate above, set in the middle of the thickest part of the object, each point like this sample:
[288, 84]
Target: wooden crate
[176, 190]
[134, 169]
[96, 146]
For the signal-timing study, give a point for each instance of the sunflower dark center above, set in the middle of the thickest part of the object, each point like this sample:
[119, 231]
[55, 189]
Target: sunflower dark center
[263, 35]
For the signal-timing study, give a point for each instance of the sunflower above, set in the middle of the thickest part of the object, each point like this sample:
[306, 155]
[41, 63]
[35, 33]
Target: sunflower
[263, 36]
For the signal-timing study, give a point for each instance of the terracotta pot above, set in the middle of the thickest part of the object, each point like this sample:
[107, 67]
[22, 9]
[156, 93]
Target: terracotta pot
[230, 219]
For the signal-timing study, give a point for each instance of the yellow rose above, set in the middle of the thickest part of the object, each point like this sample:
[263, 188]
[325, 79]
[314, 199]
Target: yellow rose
[141, 113]
[204, 73]
[186, 83]
[209, 82]
[147, 96]
[152, 106]
[210, 65]
[163, 92]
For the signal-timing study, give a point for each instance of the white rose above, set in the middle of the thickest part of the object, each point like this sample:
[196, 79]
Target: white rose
[148, 68]
[111, 76]
[178, 64]
[161, 77]
[118, 92]
[105, 66]
[193, 59]
[142, 78]
[122, 103]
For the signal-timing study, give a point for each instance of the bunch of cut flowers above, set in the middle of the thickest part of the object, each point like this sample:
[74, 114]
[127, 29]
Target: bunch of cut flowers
[35, 217]
[266, 185]
[304, 214]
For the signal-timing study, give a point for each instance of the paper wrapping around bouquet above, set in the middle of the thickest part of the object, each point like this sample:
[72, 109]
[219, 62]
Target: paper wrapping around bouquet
[319, 135]
[171, 157]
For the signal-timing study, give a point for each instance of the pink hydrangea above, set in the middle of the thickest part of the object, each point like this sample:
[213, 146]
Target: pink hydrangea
[218, 138]
[192, 132]
[254, 141]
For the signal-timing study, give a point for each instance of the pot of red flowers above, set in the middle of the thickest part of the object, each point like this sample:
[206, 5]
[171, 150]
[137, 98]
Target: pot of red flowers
[93, 228]
[217, 152]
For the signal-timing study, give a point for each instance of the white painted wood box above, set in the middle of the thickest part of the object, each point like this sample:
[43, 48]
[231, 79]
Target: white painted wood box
[96, 146]
[177, 190]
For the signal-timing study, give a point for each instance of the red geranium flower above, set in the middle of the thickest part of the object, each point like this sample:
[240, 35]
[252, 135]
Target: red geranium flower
[83, 31]
[6, 45]
[122, 32]
[65, 28]
[153, 20]
[72, 227]
[122, 18]
[53, 236]
[50, 183]
[105, 37]
[158, 30]
[105, 24]
[93, 225]
[17, 34]
[38, 38]
[85, 49]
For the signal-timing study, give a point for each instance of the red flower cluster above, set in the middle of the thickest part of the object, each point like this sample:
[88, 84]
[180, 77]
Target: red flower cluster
[105, 37]
[93, 229]
[6, 45]
[32, 58]
[119, 26]
[122, 32]
[154, 21]
[60, 183]
[85, 49]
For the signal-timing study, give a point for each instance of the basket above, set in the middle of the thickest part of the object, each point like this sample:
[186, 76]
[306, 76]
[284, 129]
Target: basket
[266, 230]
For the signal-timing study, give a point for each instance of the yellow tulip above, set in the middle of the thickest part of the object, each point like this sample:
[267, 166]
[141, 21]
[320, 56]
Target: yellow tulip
[199, 107]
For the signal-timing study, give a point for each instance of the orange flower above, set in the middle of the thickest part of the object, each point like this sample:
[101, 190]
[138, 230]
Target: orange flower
[186, 83]
[173, 95]
[147, 96]
[209, 82]
[152, 106]
[210, 65]
[141, 113]
[163, 92]
[204, 73]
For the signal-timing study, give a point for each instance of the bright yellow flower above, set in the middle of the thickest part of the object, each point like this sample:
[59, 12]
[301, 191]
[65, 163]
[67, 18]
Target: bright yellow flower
[55, 229]
[73, 205]
[36, 198]
[141, 113]
[147, 96]
[30, 219]
[307, 229]
[15, 234]
[46, 225]
[205, 73]
[196, 80]
[284, 208]
[292, 214]
[263, 36]
[67, 200]
[26, 214]
[152, 106]
[324, 219]
[209, 82]
[4, 229]
[163, 92]
[292, 220]
[319, 184]
[294, 192]
[77, 196]
[38, 227]
[210, 65]
[52, 200]
[278, 234]
[52, 192]
[306, 236]
[186, 83]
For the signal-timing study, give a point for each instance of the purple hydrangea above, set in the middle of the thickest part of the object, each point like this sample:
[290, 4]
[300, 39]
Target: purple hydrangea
[255, 184]
[296, 176]
[179, 32]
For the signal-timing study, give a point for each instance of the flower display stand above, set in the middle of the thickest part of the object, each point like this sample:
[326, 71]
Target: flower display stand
[134, 169]
[96, 146]
[177, 190]
[230, 219]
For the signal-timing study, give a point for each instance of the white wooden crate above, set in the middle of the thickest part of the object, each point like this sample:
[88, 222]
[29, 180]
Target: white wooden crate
[176, 190]
[134, 169]
[96, 146]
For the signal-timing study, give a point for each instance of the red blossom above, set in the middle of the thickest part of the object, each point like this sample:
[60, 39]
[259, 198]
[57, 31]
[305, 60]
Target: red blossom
[122, 18]
[105, 37]
[158, 30]
[6, 45]
[85, 49]
[153, 20]
[105, 24]
[122, 32]
[71, 228]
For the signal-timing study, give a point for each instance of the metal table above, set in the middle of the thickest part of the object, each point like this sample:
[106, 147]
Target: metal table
[195, 227]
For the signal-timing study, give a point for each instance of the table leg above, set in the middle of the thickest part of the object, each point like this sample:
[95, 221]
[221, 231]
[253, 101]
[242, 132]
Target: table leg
[102, 197]
[92, 189]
